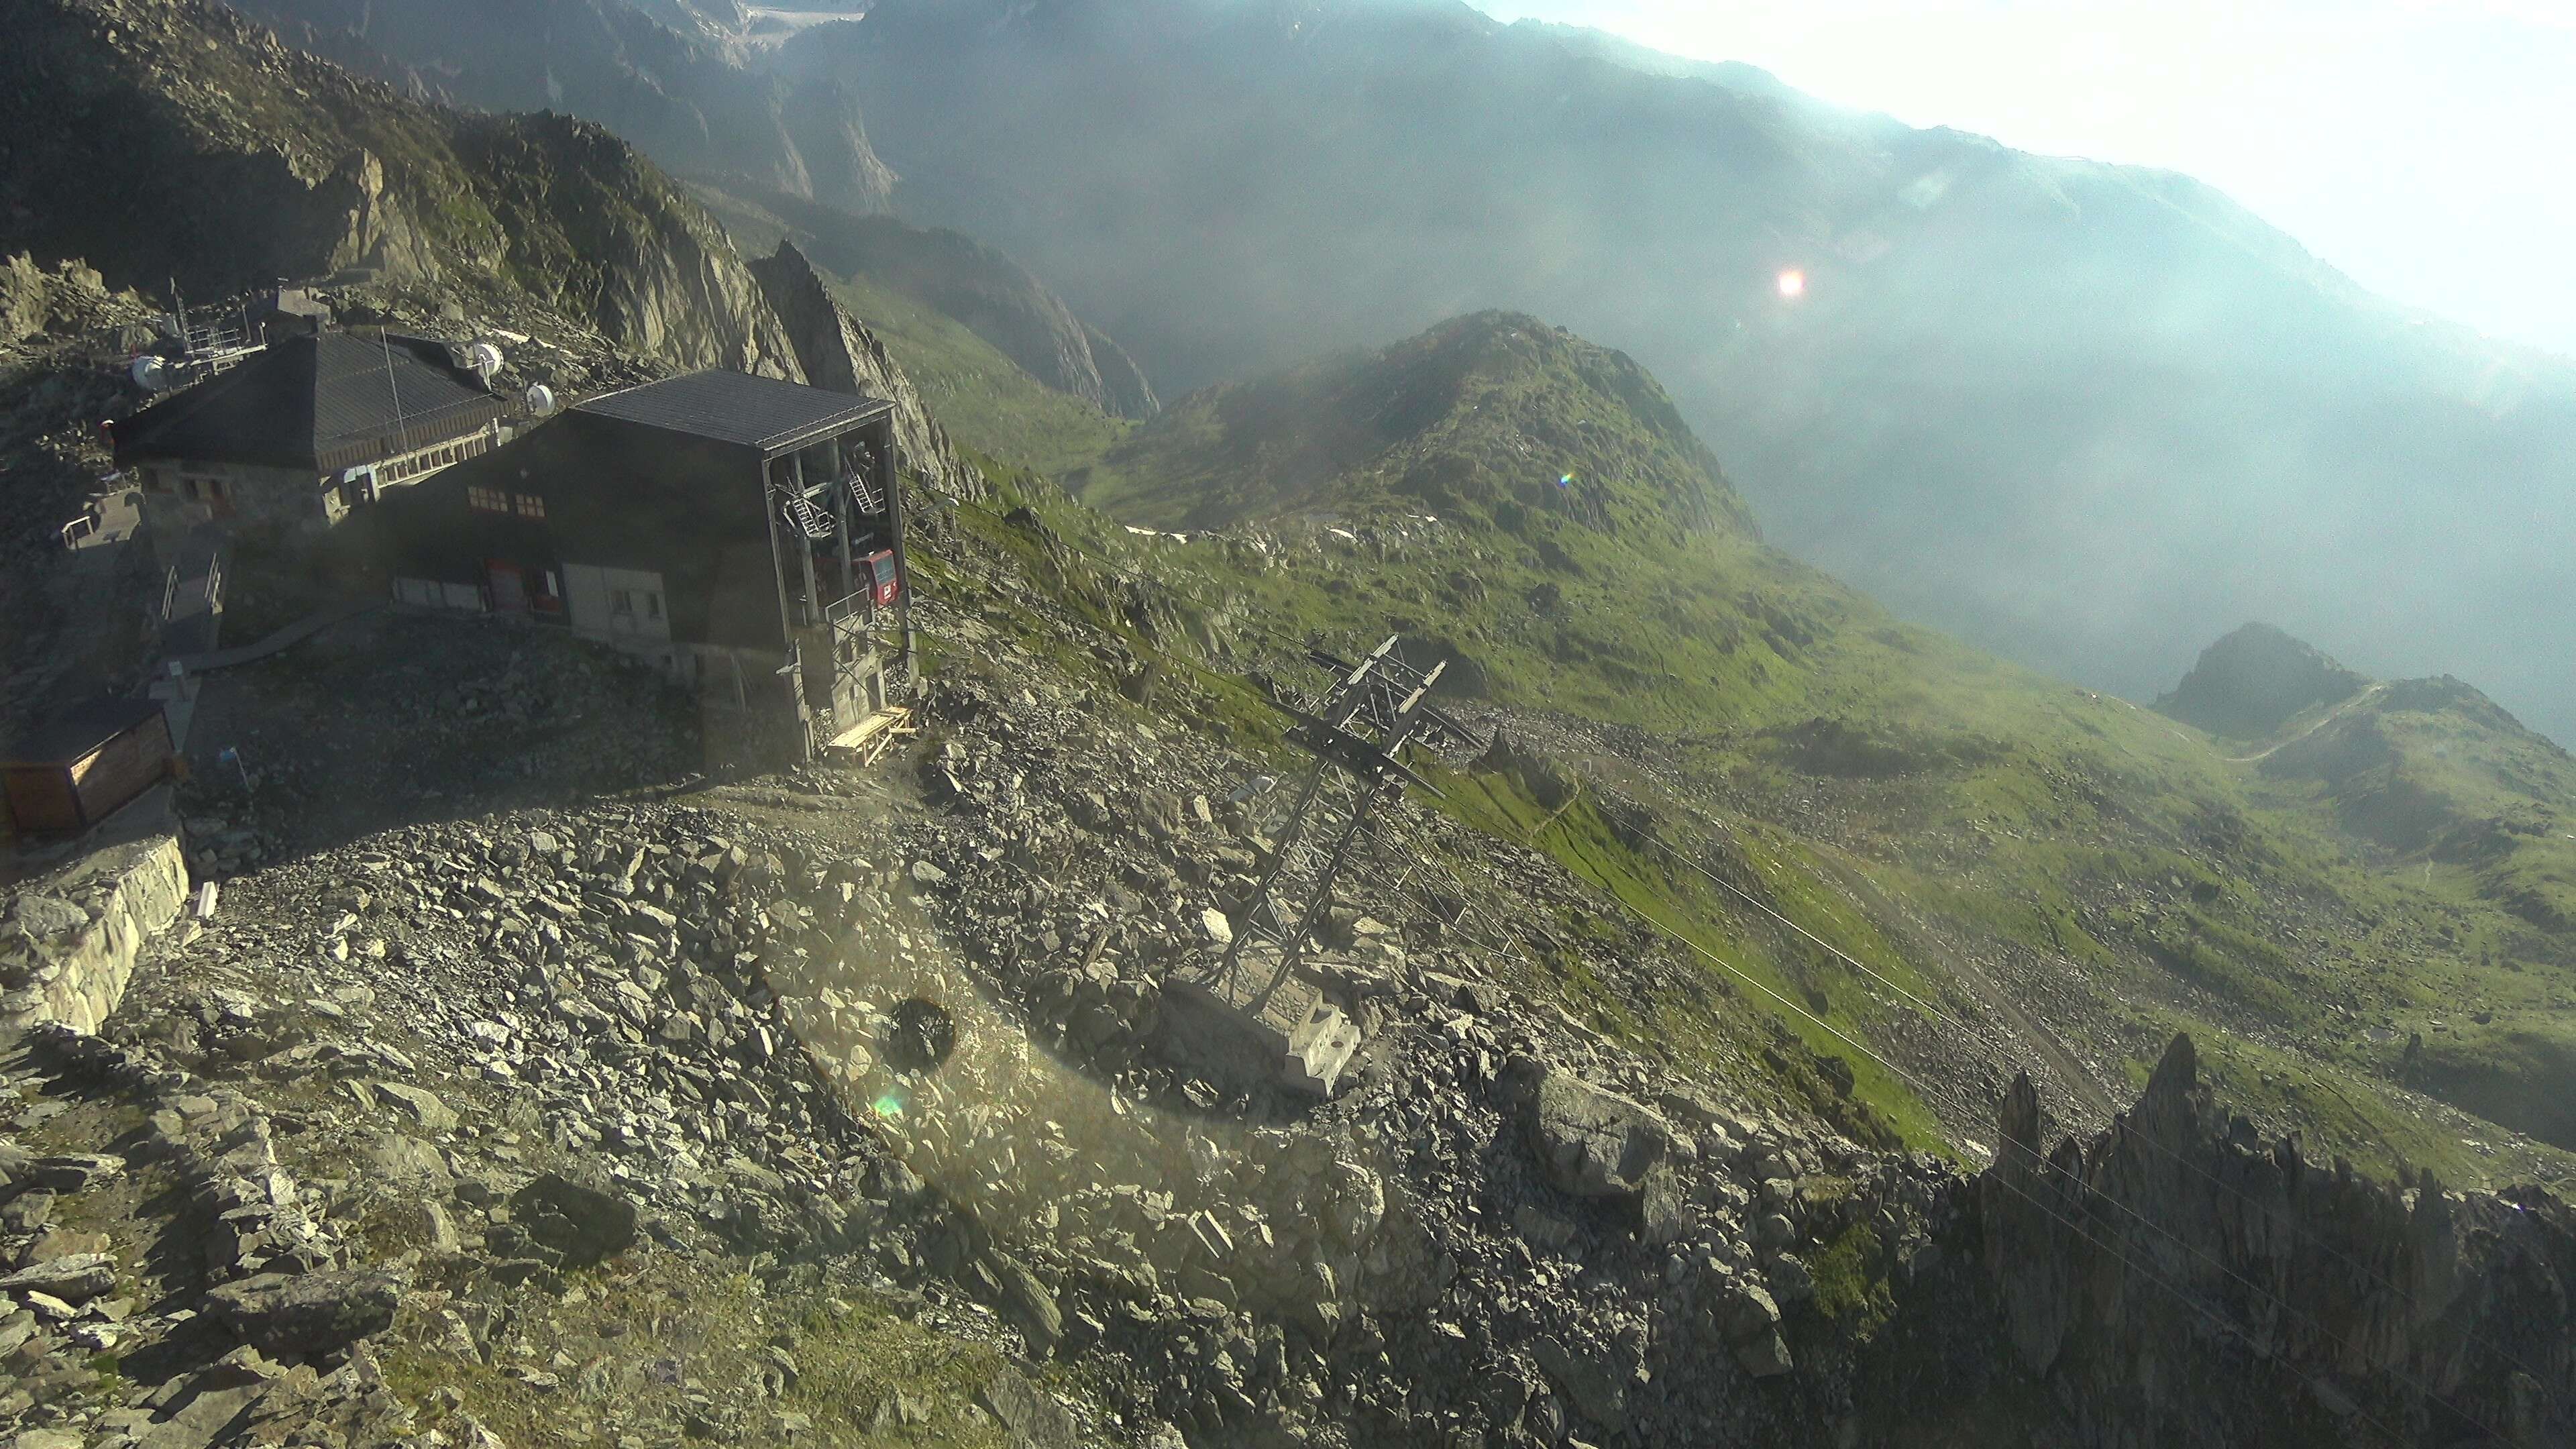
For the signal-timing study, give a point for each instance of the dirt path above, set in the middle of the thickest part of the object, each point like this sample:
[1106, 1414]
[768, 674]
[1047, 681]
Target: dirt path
[2338, 712]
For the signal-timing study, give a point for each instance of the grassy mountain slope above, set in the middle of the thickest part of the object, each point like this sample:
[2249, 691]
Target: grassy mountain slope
[2087, 416]
[2065, 870]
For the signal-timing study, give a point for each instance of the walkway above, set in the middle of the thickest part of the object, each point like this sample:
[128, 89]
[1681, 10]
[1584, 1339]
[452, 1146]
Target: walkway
[293, 634]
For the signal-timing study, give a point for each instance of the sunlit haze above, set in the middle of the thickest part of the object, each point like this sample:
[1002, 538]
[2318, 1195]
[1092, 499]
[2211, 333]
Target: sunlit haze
[2419, 145]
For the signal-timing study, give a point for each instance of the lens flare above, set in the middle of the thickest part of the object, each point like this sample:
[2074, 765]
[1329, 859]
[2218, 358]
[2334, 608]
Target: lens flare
[1792, 284]
[1565, 482]
[888, 1105]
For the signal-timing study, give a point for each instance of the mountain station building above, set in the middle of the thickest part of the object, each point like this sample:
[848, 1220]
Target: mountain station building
[742, 532]
[308, 429]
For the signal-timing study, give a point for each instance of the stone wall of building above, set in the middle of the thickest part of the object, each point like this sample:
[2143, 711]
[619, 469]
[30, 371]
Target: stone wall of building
[68, 943]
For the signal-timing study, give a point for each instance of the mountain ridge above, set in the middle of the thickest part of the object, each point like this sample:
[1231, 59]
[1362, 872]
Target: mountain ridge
[676, 91]
[1495, 412]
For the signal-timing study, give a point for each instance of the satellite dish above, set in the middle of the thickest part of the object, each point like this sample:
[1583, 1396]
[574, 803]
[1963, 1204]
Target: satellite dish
[483, 359]
[541, 399]
[150, 373]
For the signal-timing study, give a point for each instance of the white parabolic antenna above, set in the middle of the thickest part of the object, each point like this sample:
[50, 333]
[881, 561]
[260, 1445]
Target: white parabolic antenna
[149, 373]
[484, 359]
[541, 399]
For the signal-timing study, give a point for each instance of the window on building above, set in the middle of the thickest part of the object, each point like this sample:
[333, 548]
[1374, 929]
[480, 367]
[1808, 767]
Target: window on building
[487, 500]
[621, 602]
[530, 505]
[652, 606]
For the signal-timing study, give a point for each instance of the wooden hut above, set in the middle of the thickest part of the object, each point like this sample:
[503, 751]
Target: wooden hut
[81, 766]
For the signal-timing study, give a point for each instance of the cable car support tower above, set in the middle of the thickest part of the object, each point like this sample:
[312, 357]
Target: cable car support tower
[1256, 989]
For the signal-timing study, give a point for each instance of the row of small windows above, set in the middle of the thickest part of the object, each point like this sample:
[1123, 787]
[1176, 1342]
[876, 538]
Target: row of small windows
[495, 500]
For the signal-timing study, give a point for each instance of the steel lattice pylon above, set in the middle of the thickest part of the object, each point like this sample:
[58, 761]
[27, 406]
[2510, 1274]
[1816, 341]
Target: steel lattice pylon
[1256, 990]
[1363, 721]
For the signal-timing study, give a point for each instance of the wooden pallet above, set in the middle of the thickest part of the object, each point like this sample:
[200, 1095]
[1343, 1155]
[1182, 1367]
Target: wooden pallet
[870, 738]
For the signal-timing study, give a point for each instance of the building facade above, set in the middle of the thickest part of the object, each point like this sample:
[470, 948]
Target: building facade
[744, 533]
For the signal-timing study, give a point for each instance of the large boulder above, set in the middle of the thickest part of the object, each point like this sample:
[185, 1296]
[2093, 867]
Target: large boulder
[1033, 1416]
[583, 1224]
[1591, 1142]
[1748, 1317]
[1589, 1376]
[311, 1314]
[73, 1278]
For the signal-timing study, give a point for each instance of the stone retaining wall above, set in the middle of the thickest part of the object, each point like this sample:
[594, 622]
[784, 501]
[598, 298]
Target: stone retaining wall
[68, 943]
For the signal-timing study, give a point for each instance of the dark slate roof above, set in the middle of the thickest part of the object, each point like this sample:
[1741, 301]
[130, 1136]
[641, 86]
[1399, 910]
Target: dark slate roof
[84, 727]
[761, 413]
[321, 402]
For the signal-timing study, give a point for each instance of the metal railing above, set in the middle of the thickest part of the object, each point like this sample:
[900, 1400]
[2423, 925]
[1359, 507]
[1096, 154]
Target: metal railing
[860, 604]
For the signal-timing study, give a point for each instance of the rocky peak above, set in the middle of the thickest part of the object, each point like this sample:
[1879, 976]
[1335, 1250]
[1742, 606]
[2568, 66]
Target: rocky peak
[239, 161]
[2256, 680]
[1495, 413]
[996, 298]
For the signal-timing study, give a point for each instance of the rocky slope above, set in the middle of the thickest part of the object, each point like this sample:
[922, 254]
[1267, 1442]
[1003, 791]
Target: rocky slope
[666, 82]
[240, 161]
[1840, 803]
[619, 1118]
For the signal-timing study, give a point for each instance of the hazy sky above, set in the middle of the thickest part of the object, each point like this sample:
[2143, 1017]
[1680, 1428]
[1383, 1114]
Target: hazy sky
[2426, 147]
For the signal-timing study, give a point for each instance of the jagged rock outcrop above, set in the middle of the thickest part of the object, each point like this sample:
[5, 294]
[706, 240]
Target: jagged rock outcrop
[997, 299]
[981, 289]
[238, 161]
[663, 80]
[603, 235]
[70, 294]
[2176, 1281]
[839, 353]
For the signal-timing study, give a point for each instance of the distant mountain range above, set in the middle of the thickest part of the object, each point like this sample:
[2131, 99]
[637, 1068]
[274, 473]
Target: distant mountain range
[2090, 416]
